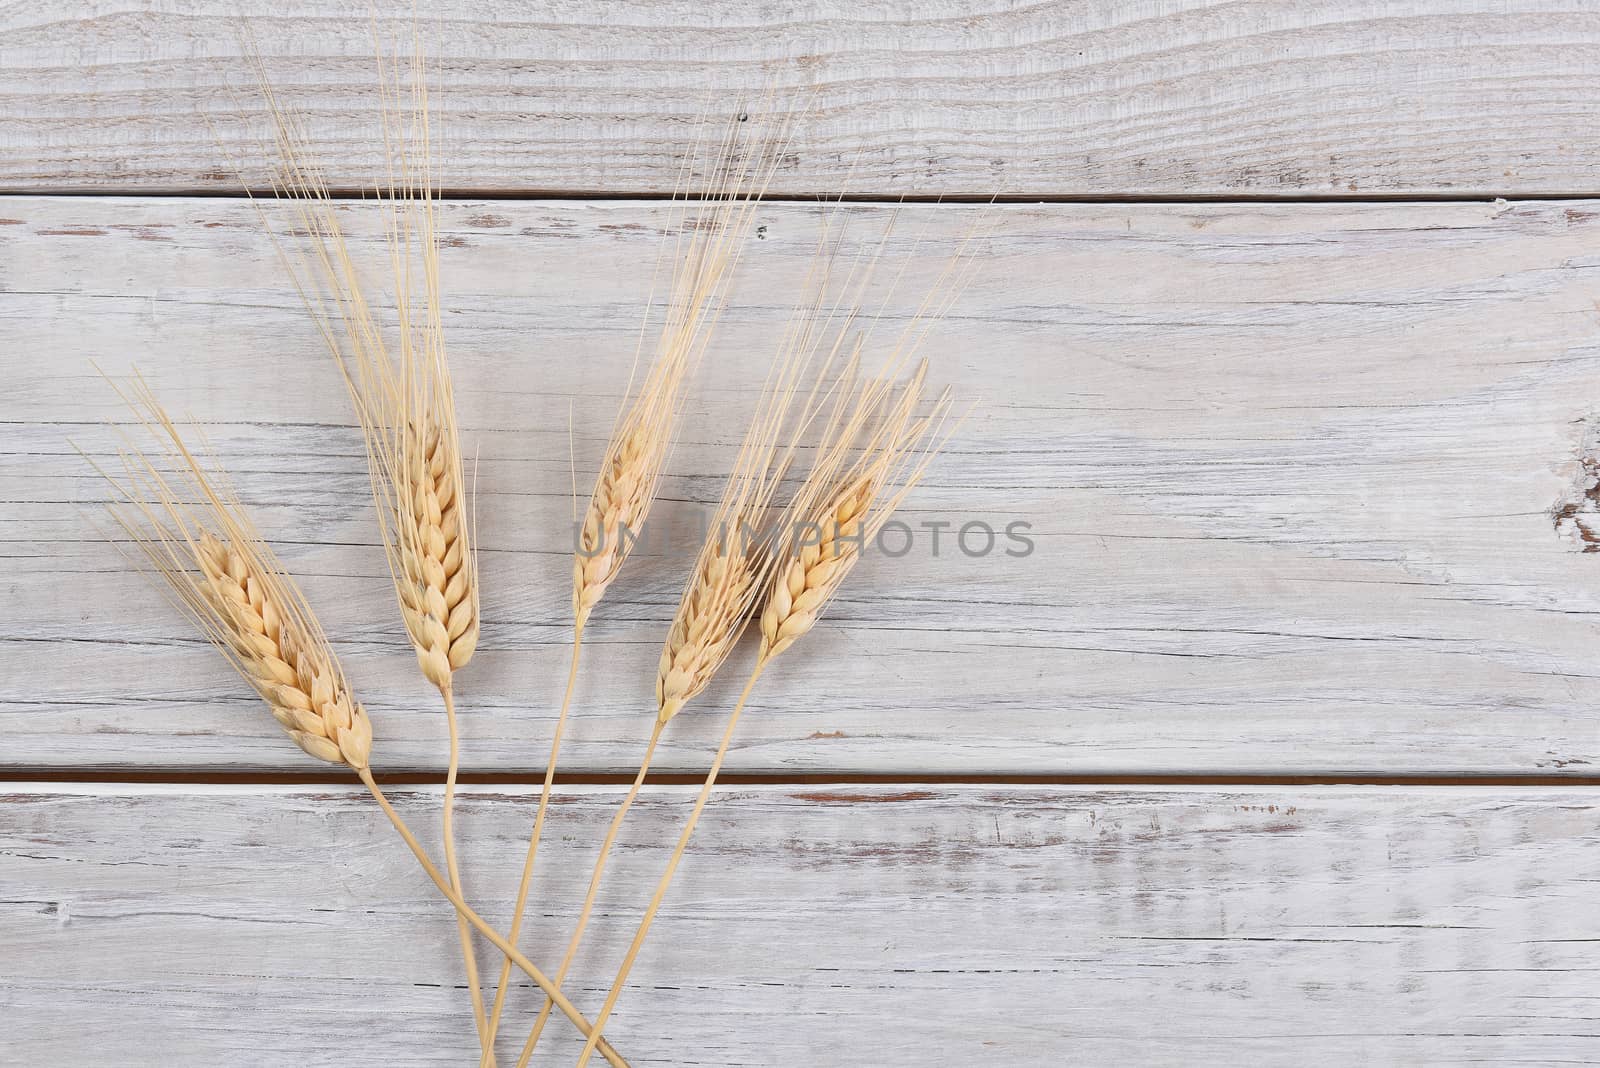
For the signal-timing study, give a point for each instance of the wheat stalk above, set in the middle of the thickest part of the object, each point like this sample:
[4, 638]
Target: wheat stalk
[728, 574]
[874, 448]
[217, 569]
[404, 401]
[704, 255]
[817, 572]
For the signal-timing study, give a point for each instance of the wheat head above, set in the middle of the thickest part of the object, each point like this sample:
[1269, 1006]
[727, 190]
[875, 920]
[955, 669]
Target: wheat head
[704, 253]
[710, 617]
[810, 575]
[295, 676]
[223, 576]
[873, 448]
[622, 497]
[437, 581]
[398, 379]
[728, 576]
[870, 458]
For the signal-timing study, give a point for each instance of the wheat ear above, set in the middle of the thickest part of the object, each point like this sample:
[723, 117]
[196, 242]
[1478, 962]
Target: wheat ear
[704, 255]
[403, 398]
[399, 382]
[216, 568]
[874, 447]
[223, 576]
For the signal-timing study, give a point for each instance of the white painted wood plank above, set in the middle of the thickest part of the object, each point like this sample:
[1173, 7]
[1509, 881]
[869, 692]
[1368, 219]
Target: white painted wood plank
[1305, 485]
[1061, 97]
[217, 925]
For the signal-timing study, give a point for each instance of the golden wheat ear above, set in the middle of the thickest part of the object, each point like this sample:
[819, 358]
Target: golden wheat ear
[206, 553]
[867, 465]
[738, 554]
[398, 379]
[705, 251]
[873, 448]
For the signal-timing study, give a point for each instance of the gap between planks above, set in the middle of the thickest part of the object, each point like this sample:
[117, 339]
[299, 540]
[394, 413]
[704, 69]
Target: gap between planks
[353, 193]
[184, 777]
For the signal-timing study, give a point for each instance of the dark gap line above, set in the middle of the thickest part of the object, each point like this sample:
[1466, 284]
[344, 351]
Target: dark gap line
[351, 193]
[533, 779]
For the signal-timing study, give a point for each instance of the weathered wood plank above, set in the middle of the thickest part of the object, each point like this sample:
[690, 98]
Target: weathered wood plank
[1062, 97]
[1305, 486]
[272, 926]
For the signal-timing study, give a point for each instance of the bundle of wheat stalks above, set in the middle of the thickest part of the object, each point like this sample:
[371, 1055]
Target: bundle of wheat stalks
[829, 455]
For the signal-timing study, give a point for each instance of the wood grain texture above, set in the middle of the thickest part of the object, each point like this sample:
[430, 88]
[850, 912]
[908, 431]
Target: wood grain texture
[1062, 97]
[1307, 487]
[272, 926]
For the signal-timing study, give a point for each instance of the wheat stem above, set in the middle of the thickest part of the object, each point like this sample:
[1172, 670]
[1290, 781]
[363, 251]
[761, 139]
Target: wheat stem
[594, 889]
[595, 1036]
[465, 911]
[533, 846]
[485, 1040]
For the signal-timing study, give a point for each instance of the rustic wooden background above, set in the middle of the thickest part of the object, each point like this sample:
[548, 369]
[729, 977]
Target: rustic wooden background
[1279, 746]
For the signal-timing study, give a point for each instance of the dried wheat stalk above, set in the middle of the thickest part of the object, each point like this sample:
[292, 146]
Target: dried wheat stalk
[861, 508]
[399, 385]
[217, 569]
[730, 570]
[874, 447]
[703, 255]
